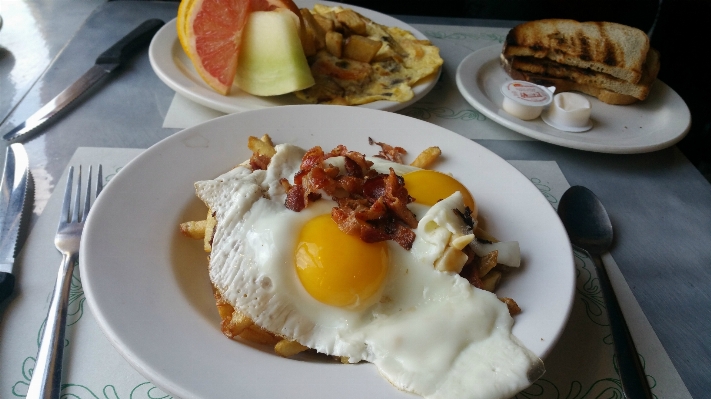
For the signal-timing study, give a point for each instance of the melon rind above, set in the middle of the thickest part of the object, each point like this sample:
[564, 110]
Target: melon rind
[272, 61]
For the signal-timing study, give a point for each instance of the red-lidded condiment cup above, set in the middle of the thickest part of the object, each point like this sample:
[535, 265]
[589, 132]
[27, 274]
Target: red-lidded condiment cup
[525, 100]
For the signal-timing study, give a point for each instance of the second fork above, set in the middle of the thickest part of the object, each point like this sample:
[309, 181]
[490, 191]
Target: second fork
[47, 376]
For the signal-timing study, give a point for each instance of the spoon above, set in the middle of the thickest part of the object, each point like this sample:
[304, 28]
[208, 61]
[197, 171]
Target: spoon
[589, 228]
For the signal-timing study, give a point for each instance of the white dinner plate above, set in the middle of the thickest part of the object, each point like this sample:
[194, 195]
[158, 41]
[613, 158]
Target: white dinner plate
[148, 286]
[655, 123]
[176, 70]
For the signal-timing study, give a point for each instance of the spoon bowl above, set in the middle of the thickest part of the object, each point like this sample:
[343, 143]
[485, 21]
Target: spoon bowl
[586, 220]
[590, 230]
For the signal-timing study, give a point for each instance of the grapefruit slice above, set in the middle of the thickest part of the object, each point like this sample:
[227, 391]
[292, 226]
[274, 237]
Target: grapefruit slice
[210, 32]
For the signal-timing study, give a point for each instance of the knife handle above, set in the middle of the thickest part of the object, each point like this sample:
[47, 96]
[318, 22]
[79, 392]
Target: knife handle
[7, 284]
[131, 43]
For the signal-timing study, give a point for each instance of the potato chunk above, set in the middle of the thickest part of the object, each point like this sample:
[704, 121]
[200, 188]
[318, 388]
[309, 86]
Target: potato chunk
[352, 20]
[427, 157]
[286, 348]
[514, 309]
[210, 225]
[313, 38]
[491, 280]
[194, 229]
[360, 48]
[326, 23]
[334, 44]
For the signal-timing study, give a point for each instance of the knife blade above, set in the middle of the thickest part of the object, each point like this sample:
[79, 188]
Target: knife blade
[107, 62]
[15, 200]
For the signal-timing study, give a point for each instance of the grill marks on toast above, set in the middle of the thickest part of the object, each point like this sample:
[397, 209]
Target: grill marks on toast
[610, 55]
[585, 53]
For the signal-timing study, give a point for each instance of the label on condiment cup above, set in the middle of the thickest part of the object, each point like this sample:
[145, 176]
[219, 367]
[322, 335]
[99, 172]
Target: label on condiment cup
[526, 93]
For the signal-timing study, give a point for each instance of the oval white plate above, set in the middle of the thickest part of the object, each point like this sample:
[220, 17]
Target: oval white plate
[148, 287]
[176, 70]
[655, 123]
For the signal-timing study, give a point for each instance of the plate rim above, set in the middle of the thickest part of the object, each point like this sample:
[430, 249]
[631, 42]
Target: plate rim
[159, 149]
[162, 60]
[479, 100]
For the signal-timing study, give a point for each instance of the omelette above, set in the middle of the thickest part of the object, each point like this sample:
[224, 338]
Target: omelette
[399, 60]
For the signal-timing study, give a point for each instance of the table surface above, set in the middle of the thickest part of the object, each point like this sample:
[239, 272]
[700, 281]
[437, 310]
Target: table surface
[659, 203]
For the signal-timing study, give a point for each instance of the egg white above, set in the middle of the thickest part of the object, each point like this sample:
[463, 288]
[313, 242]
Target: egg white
[428, 332]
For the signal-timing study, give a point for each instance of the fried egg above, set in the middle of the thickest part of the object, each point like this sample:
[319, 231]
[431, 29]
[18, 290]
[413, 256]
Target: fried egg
[297, 275]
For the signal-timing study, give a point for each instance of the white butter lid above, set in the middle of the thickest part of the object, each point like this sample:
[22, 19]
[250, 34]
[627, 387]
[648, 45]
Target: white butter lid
[524, 100]
[569, 112]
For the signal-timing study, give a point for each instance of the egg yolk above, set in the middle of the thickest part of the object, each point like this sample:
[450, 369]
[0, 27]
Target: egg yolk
[336, 268]
[429, 186]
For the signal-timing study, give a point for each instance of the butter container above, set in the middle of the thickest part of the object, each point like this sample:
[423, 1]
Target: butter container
[525, 100]
[569, 112]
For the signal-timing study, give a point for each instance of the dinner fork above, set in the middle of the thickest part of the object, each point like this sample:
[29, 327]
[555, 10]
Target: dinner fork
[47, 376]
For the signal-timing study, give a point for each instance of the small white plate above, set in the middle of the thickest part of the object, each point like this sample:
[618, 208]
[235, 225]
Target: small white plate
[149, 289]
[176, 70]
[655, 123]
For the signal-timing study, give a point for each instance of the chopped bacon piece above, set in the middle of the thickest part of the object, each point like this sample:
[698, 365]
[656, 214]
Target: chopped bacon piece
[352, 168]
[357, 157]
[370, 205]
[360, 160]
[350, 184]
[317, 179]
[332, 172]
[259, 162]
[374, 187]
[396, 199]
[349, 222]
[298, 177]
[312, 197]
[313, 157]
[339, 151]
[372, 222]
[403, 236]
[389, 152]
[295, 198]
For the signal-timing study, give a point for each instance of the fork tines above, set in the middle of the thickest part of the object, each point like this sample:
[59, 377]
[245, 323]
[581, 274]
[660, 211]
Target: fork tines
[77, 216]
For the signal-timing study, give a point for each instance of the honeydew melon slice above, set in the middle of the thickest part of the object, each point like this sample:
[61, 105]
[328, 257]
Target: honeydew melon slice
[272, 61]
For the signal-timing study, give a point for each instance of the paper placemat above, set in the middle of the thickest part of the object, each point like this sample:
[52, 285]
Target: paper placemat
[580, 366]
[443, 106]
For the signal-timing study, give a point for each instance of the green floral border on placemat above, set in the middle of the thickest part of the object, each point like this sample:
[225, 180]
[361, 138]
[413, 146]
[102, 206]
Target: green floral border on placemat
[425, 112]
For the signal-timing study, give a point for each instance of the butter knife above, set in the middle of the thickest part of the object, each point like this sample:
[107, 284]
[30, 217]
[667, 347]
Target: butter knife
[107, 62]
[15, 200]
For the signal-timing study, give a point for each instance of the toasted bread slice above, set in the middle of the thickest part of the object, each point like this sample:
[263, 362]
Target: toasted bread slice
[550, 69]
[606, 47]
